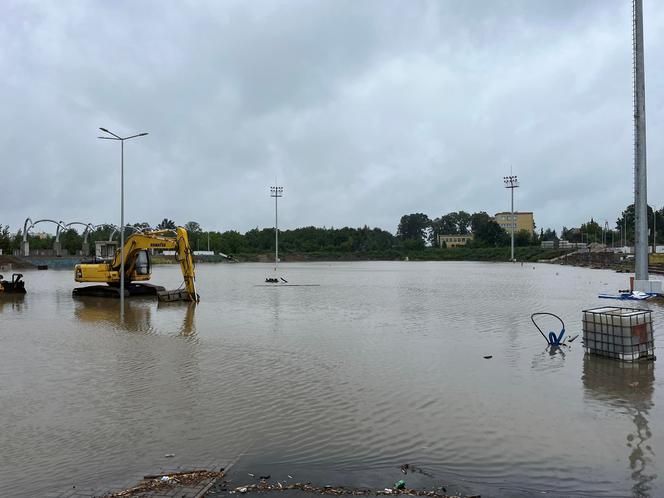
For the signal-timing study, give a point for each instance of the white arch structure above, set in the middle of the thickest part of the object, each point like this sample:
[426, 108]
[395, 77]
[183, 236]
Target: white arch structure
[61, 226]
[117, 230]
[25, 245]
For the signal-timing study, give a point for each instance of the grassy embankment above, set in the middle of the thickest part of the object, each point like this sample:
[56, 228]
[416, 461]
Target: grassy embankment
[531, 253]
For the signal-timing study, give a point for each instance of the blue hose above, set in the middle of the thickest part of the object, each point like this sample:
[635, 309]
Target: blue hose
[556, 341]
[552, 340]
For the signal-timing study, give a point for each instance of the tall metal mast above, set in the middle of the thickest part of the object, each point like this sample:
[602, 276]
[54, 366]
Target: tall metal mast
[512, 182]
[640, 176]
[276, 192]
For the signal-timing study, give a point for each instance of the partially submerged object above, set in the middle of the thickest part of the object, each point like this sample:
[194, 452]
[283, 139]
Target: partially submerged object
[138, 268]
[14, 286]
[619, 333]
[552, 339]
[629, 296]
[274, 280]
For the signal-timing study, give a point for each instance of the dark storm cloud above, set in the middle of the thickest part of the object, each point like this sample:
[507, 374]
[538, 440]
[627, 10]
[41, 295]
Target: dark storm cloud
[363, 110]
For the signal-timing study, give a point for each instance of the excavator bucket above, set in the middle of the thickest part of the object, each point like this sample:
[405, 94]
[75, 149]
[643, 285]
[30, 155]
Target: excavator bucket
[169, 296]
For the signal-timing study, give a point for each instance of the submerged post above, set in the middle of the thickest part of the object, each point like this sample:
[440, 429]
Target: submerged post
[640, 176]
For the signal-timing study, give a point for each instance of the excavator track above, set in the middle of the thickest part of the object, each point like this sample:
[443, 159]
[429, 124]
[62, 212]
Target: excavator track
[114, 292]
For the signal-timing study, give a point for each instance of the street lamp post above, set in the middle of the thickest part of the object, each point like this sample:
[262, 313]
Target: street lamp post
[276, 192]
[511, 182]
[122, 227]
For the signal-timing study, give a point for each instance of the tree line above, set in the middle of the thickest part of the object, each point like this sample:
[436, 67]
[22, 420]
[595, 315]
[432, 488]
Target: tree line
[415, 231]
[306, 239]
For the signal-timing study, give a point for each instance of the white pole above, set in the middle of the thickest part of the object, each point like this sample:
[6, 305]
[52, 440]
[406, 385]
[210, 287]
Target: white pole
[512, 182]
[276, 232]
[654, 231]
[513, 223]
[276, 192]
[122, 227]
[122, 254]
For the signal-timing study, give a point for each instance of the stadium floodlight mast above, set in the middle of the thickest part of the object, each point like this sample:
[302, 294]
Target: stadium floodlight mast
[640, 174]
[512, 182]
[276, 192]
[122, 227]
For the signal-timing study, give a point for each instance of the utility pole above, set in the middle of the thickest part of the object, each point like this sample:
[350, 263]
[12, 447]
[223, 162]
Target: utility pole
[276, 192]
[605, 231]
[511, 182]
[122, 227]
[640, 174]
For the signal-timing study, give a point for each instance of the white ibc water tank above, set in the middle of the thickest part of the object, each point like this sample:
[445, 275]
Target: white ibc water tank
[620, 333]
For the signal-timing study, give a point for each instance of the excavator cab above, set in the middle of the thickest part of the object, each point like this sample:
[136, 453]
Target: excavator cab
[143, 263]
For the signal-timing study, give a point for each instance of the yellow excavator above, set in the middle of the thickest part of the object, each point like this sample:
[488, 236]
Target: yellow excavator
[138, 268]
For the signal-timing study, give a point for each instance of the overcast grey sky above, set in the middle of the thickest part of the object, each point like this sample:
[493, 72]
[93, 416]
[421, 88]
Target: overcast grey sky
[365, 111]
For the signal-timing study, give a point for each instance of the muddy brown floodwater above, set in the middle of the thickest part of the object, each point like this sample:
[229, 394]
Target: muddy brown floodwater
[381, 364]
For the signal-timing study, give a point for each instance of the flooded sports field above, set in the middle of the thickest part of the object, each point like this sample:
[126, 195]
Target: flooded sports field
[363, 368]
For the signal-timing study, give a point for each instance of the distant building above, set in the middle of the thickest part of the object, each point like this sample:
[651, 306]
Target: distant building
[105, 249]
[454, 240]
[564, 244]
[523, 220]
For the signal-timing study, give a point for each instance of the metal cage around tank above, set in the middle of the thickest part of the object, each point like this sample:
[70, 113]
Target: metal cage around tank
[619, 333]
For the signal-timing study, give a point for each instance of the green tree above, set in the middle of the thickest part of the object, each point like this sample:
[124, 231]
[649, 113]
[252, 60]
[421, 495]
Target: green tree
[478, 221]
[167, 224]
[627, 219]
[260, 240]
[591, 231]
[71, 241]
[5, 239]
[463, 222]
[523, 238]
[456, 223]
[445, 225]
[414, 227]
[192, 227]
[232, 242]
[487, 232]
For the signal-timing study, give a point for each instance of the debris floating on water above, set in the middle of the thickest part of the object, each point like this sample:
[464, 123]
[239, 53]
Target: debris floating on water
[488, 357]
[340, 490]
[166, 481]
